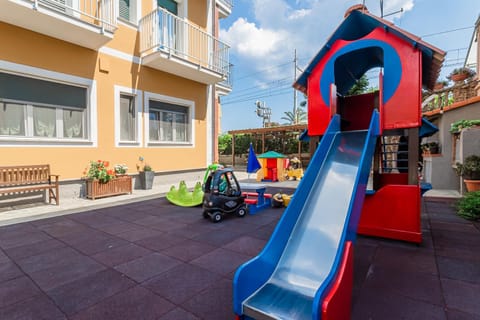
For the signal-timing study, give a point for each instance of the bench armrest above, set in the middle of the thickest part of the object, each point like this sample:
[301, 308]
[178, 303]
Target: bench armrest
[55, 176]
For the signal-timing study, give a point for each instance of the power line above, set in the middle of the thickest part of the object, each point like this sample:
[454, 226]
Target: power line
[446, 31]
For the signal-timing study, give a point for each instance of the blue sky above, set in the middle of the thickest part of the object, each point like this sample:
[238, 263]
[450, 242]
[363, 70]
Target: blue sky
[264, 34]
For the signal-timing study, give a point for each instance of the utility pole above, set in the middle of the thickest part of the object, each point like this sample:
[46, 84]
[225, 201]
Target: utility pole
[295, 113]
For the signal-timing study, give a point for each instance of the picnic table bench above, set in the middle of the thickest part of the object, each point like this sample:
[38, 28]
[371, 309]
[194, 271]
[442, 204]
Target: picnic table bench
[29, 178]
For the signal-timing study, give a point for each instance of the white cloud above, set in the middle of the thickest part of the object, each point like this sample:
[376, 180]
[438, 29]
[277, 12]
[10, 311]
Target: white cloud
[280, 26]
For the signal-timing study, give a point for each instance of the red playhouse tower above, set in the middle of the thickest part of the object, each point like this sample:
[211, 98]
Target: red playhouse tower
[305, 270]
[363, 41]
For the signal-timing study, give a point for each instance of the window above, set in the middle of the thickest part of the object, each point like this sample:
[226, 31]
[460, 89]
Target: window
[127, 10]
[35, 108]
[169, 123]
[127, 116]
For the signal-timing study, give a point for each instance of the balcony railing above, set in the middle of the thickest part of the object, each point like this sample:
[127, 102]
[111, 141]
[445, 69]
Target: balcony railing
[101, 13]
[162, 31]
[87, 23]
[442, 98]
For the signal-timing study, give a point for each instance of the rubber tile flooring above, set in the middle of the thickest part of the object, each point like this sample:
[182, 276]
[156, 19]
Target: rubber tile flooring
[152, 260]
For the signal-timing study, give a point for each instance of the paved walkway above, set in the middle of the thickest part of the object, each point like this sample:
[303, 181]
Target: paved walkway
[151, 260]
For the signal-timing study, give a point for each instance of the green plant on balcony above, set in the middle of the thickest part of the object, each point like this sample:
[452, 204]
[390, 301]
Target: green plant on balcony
[460, 74]
[459, 125]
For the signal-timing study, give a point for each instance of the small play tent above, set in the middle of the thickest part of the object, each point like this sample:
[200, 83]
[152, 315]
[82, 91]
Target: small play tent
[273, 166]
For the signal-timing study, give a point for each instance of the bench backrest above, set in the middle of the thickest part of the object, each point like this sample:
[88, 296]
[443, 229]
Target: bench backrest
[24, 175]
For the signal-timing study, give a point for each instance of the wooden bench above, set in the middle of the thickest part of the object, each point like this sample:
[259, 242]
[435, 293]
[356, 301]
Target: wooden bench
[21, 179]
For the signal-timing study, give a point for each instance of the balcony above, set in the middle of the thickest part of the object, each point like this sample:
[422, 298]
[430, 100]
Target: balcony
[224, 8]
[87, 23]
[443, 99]
[179, 47]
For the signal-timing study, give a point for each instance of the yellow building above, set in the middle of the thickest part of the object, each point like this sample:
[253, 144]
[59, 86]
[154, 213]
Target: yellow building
[84, 80]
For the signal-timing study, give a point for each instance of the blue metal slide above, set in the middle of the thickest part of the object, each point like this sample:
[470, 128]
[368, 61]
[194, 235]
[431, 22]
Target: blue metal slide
[291, 276]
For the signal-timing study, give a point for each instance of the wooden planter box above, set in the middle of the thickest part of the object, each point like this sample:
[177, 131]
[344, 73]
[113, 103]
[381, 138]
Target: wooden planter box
[119, 185]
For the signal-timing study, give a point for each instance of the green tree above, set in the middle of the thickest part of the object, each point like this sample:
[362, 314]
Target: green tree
[360, 86]
[224, 142]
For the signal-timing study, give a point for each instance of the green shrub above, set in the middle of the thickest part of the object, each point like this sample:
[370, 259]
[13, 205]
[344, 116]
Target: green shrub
[469, 206]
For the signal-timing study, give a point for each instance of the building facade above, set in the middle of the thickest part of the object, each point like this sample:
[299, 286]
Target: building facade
[83, 80]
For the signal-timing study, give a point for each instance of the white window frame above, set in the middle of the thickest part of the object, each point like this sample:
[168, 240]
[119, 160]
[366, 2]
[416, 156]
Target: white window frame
[172, 100]
[90, 128]
[182, 7]
[137, 94]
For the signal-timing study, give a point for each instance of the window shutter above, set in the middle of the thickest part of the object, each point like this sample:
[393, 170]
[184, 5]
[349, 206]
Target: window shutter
[170, 5]
[124, 9]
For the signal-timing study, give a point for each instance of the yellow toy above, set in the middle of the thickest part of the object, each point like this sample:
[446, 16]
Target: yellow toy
[294, 170]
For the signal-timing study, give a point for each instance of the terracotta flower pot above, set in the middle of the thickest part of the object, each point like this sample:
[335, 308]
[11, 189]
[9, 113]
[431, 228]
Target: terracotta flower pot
[472, 185]
[459, 77]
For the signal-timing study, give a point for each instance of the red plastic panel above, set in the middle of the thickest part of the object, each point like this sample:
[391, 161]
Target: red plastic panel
[392, 212]
[402, 110]
[337, 303]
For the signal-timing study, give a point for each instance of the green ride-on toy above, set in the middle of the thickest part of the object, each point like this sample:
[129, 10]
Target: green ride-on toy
[222, 195]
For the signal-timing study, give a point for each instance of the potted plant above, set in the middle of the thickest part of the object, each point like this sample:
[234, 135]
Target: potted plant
[439, 85]
[145, 174]
[470, 171]
[460, 74]
[103, 182]
[469, 206]
[120, 169]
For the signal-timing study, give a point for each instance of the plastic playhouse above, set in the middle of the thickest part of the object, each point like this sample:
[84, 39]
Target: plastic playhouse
[307, 263]
[273, 166]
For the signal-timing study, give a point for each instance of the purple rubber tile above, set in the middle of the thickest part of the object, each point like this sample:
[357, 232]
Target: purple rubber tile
[116, 227]
[99, 244]
[134, 303]
[177, 314]
[214, 303]
[118, 255]
[378, 304]
[188, 250]
[181, 282]
[221, 261]
[8, 271]
[138, 233]
[147, 267]
[47, 259]
[65, 271]
[191, 232]
[94, 218]
[246, 245]
[456, 269]
[168, 225]
[38, 307]
[405, 283]
[34, 249]
[17, 290]
[63, 228]
[263, 232]
[410, 259]
[217, 238]
[14, 239]
[88, 291]
[462, 296]
[459, 315]
[3, 257]
[160, 241]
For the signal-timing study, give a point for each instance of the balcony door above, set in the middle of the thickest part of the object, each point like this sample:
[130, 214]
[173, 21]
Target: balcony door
[171, 27]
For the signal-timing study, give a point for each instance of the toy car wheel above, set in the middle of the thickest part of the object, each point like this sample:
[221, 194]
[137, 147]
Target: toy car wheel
[216, 217]
[205, 214]
[242, 211]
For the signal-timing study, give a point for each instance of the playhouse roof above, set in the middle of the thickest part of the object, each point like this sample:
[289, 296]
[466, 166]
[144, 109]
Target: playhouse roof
[359, 22]
[271, 154]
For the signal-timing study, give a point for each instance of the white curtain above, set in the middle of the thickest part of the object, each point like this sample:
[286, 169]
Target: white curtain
[44, 122]
[12, 119]
[73, 123]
